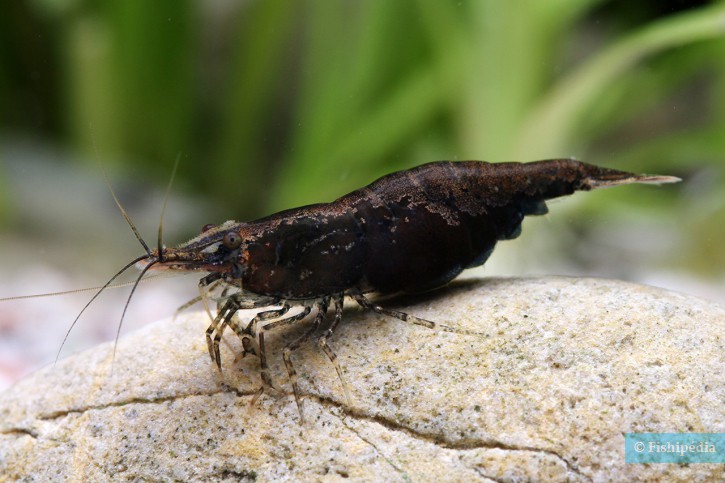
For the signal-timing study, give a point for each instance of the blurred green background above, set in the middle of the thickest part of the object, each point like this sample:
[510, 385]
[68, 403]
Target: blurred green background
[273, 104]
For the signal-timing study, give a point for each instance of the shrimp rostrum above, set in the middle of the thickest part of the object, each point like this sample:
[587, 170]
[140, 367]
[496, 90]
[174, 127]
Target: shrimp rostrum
[409, 231]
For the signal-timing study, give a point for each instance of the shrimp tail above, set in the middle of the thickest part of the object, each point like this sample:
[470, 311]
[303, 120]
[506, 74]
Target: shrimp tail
[595, 177]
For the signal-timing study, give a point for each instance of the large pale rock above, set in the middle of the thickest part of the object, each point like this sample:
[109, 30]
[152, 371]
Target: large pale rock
[562, 368]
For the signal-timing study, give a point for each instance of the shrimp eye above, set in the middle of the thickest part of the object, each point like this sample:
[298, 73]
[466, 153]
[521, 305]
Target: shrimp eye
[207, 227]
[232, 240]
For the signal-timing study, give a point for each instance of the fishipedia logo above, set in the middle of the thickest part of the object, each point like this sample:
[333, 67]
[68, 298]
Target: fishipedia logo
[674, 447]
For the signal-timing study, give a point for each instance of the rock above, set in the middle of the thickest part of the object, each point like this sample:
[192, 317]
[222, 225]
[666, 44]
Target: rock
[562, 368]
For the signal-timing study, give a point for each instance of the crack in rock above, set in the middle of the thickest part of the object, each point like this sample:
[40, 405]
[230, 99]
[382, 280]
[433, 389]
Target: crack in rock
[140, 400]
[401, 471]
[16, 431]
[463, 444]
[488, 477]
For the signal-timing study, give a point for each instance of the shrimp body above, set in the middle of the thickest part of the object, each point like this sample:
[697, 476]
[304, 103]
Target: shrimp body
[409, 231]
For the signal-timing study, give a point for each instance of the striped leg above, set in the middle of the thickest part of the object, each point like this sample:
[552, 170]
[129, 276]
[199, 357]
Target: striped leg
[322, 344]
[266, 378]
[250, 346]
[186, 305]
[206, 285]
[248, 333]
[364, 302]
[223, 318]
[287, 351]
[216, 329]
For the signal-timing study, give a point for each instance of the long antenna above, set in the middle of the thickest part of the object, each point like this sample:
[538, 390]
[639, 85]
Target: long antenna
[125, 308]
[118, 203]
[160, 244]
[125, 215]
[84, 289]
[129, 265]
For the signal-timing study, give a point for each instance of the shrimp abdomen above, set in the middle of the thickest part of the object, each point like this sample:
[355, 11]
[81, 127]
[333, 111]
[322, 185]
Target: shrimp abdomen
[425, 225]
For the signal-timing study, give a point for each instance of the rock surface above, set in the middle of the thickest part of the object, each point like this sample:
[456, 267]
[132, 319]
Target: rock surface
[562, 368]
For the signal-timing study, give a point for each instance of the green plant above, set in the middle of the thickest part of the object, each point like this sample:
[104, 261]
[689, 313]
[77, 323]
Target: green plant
[276, 103]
